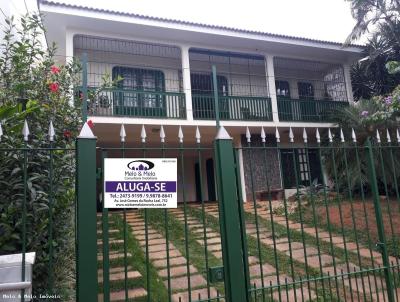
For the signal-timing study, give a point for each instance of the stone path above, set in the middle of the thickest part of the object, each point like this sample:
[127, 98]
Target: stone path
[178, 272]
[116, 273]
[325, 261]
[269, 272]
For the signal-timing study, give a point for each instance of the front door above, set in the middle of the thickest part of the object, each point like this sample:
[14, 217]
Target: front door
[210, 179]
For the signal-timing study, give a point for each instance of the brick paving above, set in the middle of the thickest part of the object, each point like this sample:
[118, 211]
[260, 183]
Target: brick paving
[269, 271]
[324, 260]
[178, 272]
[117, 273]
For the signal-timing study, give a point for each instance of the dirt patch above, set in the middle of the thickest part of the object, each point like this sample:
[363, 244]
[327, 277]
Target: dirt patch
[364, 216]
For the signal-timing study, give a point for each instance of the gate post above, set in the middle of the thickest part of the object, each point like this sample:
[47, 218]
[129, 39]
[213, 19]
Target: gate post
[236, 289]
[379, 222]
[86, 225]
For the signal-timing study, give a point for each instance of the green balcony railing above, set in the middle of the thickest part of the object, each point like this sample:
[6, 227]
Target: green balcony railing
[309, 110]
[239, 108]
[135, 103]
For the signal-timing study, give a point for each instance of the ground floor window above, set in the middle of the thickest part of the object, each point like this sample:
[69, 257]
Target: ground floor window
[305, 162]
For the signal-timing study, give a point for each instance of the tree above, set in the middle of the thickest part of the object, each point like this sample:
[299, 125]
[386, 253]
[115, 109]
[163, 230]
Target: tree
[36, 88]
[369, 13]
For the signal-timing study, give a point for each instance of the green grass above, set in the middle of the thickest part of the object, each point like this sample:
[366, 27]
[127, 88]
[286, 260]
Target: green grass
[176, 234]
[137, 261]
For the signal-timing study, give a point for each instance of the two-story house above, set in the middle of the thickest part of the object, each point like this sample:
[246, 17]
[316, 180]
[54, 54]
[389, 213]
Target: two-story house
[163, 73]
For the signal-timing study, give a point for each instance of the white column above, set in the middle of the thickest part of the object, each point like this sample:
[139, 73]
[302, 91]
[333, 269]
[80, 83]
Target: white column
[69, 56]
[241, 169]
[186, 82]
[270, 73]
[69, 46]
[347, 80]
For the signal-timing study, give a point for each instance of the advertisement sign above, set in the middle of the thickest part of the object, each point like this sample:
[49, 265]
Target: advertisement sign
[140, 183]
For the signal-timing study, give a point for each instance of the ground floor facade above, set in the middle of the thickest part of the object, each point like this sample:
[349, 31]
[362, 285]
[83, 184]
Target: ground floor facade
[264, 169]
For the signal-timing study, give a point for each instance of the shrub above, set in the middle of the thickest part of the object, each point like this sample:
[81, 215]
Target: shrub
[33, 86]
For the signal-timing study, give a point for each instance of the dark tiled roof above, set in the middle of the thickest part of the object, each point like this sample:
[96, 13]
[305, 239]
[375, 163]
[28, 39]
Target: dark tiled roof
[167, 20]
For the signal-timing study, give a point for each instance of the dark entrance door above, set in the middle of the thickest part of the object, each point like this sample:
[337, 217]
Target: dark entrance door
[210, 179]
[202, 96]
[308, 107]
[197, 177]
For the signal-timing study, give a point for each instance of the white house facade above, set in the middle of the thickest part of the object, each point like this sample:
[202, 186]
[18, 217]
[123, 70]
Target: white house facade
[162, 71]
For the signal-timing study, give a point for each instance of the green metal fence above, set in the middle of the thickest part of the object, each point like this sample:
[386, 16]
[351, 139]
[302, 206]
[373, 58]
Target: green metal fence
[37, 185]
[332, 238]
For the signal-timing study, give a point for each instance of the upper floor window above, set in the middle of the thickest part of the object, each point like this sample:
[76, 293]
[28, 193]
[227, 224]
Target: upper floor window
[139, 78]
[282, 88]
[306, 90]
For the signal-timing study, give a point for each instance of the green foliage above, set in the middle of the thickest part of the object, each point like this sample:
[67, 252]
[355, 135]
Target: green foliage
[369, 13]
[348, 167]
[374, 75]
[33, 86]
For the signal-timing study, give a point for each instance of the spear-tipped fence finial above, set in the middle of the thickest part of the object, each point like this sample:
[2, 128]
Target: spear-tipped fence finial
[317, 136]
[180, 134]
[162, 134]
[122, 133]
[51, 132]
[291, 135]
[388, 138]
[330, 135]
[143, 134]
[263, 136]
[305, 137]
[25, 131]
[353, 135]
[197, 135]
[341, 135]
[277, 135]
[248, 135]
[378, 136]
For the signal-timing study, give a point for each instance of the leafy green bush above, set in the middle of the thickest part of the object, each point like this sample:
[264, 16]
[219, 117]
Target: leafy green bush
[33, 86]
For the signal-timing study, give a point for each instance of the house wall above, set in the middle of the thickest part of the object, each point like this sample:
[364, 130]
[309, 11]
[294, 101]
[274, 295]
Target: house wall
[260, 166]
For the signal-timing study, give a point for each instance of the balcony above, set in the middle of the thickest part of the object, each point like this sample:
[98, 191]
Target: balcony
[151, 80]
[234, 108]
[134, 103]
[303, 110]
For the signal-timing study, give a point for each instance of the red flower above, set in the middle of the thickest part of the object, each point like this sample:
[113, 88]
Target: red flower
[54, 86]
[54, 69]
[67, 134]
[90, 124]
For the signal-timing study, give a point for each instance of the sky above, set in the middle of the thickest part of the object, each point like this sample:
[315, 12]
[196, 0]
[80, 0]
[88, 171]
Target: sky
[318, 19]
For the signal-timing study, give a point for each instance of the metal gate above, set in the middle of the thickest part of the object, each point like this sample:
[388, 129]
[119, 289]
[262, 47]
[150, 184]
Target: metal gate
[331, 240]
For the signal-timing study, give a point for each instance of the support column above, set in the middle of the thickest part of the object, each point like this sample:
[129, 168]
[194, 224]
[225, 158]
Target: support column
[69, 58]
[270, 74]
[187, 88]
[86, 225]
[347, 79]
[232, 238]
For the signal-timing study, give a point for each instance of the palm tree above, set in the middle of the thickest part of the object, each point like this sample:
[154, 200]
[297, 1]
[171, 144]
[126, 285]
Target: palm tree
[366, 117]
[368, 13]
[370, 76]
